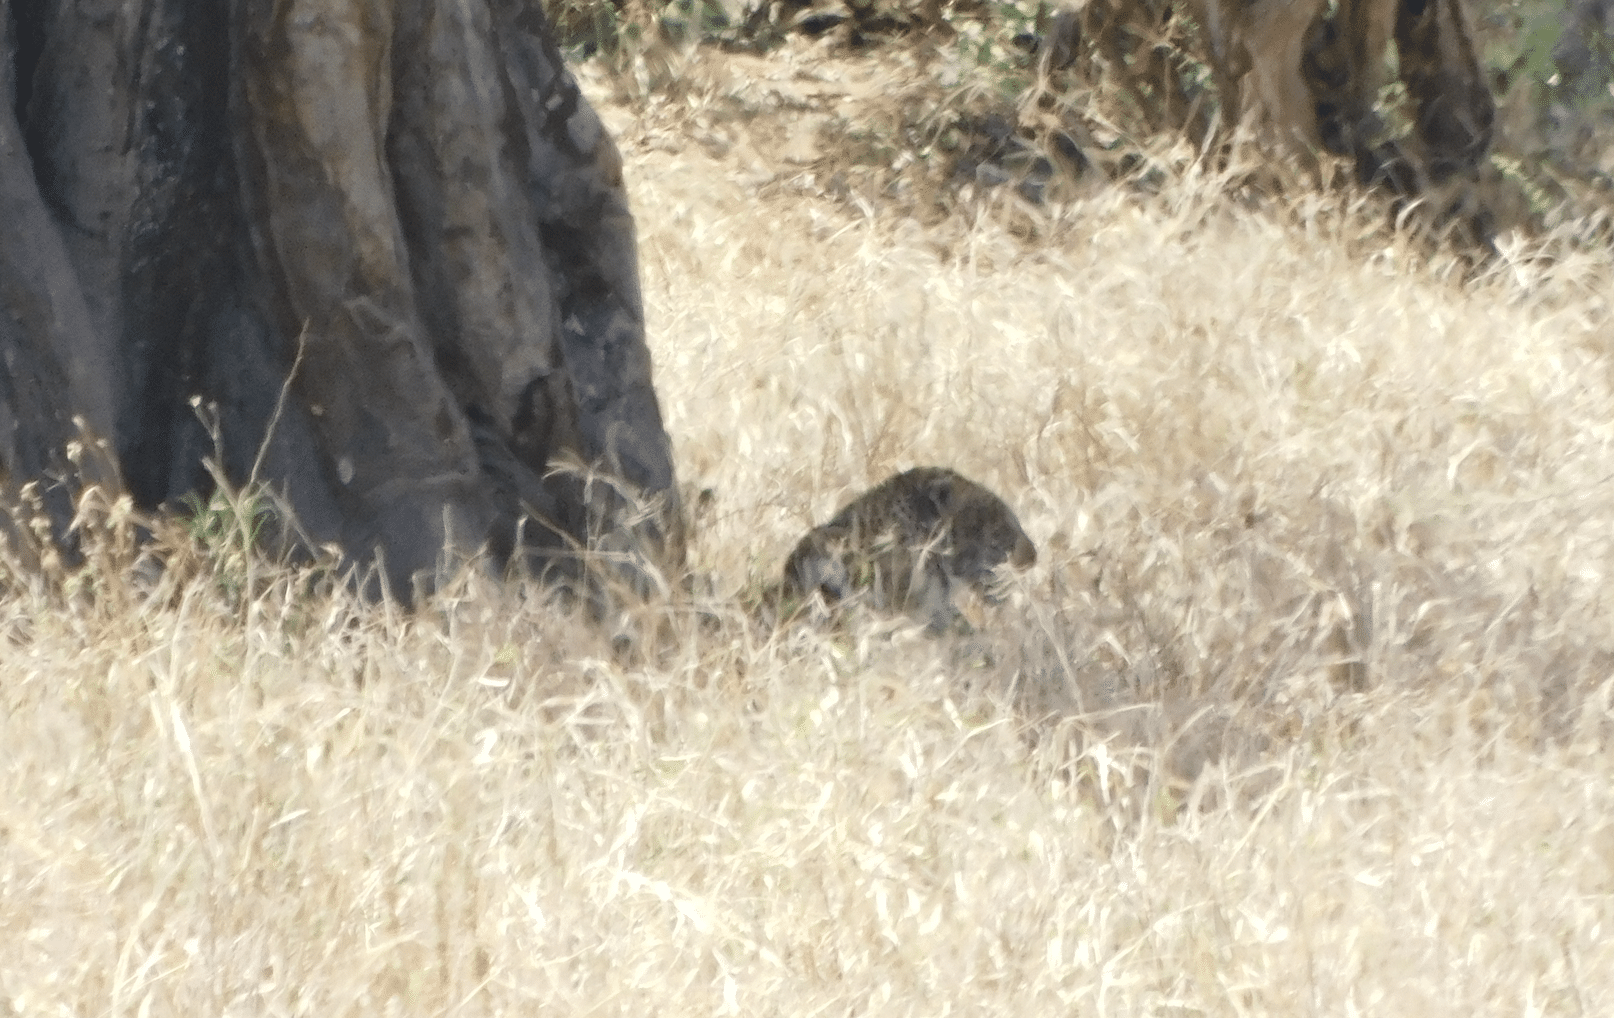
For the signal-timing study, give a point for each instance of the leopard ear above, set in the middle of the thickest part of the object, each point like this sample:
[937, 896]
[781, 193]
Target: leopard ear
[1024, 555]
[939, 493]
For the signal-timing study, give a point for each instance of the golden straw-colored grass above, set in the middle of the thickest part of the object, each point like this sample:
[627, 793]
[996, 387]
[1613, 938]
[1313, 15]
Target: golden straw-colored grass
[1305, 709]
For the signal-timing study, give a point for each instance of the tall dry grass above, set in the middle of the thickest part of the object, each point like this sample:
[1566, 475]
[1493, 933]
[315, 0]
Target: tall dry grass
[1305, 709]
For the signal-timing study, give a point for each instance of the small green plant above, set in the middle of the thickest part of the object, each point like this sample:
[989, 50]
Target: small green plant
[229, 527]
[224, 522]
[232, 524]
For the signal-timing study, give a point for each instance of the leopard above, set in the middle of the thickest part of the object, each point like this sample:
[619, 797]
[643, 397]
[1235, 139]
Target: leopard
[908, 546]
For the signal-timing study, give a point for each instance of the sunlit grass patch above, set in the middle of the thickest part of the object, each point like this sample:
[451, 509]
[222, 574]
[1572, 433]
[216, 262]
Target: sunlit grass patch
[1304, 708]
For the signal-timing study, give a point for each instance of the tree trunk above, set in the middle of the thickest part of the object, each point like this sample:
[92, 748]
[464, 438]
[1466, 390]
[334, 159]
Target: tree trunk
[407, 201]
[1584, 53]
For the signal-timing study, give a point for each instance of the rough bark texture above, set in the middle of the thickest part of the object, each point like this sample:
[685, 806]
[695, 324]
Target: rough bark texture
[410, 196]
[1308, 75]
[1584, 53]
[1315, 70]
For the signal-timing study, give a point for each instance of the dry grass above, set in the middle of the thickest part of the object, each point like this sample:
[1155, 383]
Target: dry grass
[1305, 710]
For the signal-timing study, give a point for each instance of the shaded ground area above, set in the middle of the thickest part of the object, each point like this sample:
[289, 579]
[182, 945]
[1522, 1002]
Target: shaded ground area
[927, 102]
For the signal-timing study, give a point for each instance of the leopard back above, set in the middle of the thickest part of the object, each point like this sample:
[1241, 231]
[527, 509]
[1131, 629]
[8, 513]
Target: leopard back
[906, 542]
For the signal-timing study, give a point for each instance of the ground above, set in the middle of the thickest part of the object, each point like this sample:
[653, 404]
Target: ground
[1305, 707]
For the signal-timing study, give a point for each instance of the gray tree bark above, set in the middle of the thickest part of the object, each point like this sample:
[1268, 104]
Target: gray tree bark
[408, 200]
[1584, 53]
